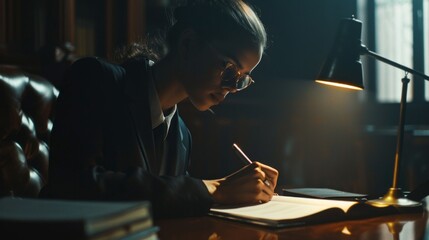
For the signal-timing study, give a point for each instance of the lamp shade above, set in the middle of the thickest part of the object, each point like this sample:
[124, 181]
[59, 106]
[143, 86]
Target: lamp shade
[343, 67]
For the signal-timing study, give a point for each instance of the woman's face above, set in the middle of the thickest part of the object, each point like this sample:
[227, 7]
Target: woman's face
[206, 63]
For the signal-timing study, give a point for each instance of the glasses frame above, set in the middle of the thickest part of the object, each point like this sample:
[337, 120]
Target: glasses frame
[239, 78]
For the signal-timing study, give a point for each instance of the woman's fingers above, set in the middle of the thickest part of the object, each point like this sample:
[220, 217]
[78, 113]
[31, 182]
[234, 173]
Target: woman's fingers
[271, 174]
[251, 195]
[251, 189]
[254, 183]
[266, 173]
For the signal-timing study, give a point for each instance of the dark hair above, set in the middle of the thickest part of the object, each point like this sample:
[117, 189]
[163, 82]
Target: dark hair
[211, 19]
[152, 47]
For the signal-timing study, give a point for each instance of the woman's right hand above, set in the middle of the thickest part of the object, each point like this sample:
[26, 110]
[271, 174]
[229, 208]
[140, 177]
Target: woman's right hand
[254, 183]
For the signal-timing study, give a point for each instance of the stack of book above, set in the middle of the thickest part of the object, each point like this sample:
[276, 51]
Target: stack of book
[64, 219]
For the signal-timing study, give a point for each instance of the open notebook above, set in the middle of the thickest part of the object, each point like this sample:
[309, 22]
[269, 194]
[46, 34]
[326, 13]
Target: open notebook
[283, 211]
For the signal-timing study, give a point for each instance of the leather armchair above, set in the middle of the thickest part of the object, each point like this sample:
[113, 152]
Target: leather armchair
[26, 110]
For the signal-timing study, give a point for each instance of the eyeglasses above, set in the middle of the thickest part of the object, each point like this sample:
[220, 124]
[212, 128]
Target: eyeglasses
[231, 77]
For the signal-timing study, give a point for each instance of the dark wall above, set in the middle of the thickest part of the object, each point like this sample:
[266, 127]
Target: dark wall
[300, 34]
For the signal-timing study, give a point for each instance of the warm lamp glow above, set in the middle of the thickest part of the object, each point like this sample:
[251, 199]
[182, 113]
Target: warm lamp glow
[343, 68]
[346, 231]
[341, 85]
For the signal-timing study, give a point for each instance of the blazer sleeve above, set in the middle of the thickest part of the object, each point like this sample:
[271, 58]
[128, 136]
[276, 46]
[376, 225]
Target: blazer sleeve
[76, 168]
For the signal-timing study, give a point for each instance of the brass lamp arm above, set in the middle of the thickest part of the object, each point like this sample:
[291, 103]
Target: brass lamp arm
[365, 51]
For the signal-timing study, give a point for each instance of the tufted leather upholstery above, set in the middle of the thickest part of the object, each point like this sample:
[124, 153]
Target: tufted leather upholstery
[26, 111]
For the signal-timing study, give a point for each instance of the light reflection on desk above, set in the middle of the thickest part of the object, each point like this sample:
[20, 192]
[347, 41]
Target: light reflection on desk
[404, 227]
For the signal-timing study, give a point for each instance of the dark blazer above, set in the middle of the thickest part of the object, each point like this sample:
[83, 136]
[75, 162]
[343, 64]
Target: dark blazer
[102, 144]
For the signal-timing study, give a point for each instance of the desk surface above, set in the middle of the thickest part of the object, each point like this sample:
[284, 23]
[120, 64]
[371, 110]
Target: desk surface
[405, 227]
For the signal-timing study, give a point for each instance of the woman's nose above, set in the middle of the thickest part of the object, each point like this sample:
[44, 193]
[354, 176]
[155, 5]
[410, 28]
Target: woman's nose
[227, 90]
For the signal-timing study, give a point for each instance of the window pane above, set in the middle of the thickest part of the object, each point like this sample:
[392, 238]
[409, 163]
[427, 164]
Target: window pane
[426, 43]
[394, 40]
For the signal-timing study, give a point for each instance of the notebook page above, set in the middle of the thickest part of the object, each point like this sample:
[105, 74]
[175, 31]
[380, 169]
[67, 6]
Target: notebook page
[344, 205]
[283, 208]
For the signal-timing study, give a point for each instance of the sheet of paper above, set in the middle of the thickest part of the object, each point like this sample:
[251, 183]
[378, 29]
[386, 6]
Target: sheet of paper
[283, 208]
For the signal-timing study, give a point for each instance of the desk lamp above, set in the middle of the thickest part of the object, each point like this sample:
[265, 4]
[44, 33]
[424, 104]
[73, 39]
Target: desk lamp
[343, 68]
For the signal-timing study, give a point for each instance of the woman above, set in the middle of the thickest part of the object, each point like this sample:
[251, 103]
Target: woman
[104, 141]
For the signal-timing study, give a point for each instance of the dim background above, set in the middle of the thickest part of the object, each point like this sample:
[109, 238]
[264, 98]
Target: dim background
[316, 136]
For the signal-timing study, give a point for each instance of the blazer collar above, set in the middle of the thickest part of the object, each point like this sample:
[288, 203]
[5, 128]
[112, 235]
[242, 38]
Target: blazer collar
[175, 160]
[136, 89]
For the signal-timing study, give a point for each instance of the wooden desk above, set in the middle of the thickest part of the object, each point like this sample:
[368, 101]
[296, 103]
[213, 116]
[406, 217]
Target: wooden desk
[404, 227]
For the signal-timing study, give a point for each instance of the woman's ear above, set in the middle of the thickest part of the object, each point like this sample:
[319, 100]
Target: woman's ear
[187, 43]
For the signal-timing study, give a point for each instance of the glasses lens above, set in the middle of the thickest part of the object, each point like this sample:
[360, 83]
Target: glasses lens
[232, 78]
[243, 82]
[230, 75]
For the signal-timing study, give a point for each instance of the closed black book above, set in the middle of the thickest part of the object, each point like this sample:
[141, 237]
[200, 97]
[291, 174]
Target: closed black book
[63, 219]
[324, 193]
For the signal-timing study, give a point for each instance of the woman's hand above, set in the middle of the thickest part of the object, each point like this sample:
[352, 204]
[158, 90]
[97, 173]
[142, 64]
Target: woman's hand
[254, 183]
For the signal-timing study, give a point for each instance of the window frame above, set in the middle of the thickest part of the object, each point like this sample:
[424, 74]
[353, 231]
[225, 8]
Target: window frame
[416, 106]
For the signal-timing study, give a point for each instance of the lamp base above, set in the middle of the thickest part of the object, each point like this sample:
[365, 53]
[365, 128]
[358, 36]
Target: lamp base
[394, 197]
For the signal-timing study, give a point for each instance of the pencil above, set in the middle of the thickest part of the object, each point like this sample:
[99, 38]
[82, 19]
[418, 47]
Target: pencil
[241, 154]
[246, 159]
